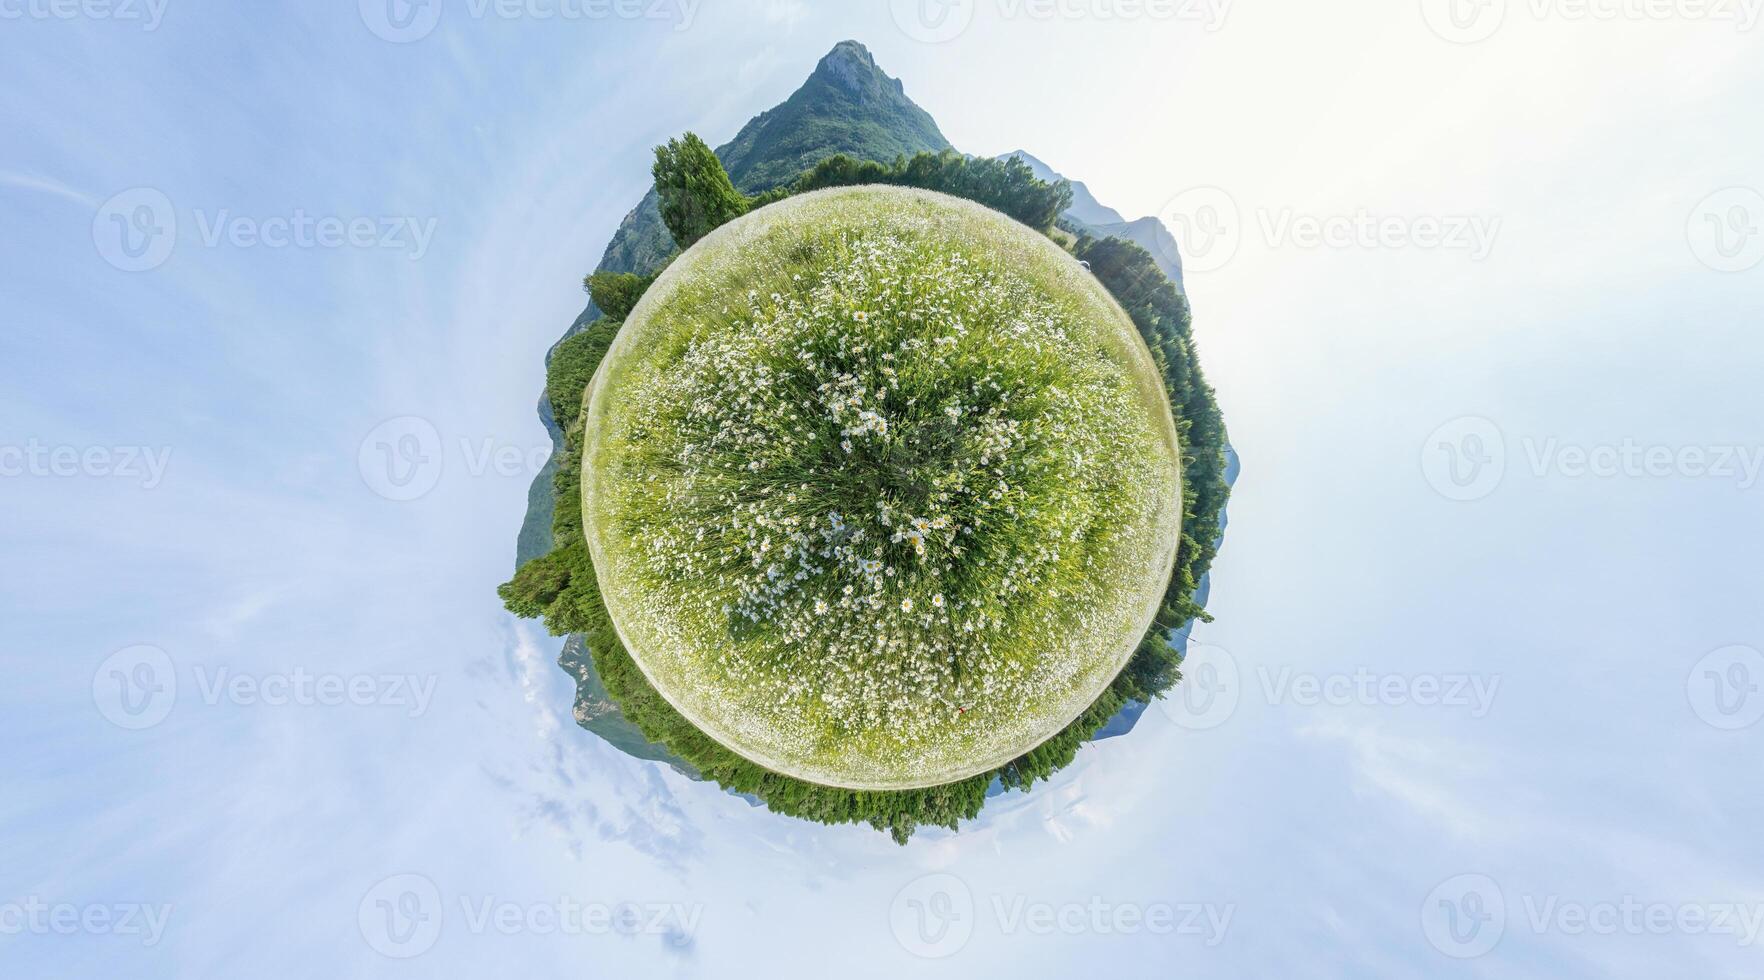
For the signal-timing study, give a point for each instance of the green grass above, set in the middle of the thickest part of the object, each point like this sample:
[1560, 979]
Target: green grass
[882, 489]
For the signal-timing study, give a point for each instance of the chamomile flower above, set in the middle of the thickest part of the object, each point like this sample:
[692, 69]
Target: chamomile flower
[981, 551]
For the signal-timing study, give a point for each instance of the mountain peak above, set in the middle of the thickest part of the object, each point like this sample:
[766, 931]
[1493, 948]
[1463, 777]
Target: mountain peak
[851, 67]
[847, 105]
[1085, 207]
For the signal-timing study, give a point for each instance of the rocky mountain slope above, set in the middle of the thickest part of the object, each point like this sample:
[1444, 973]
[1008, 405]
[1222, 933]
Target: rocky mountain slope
[1091, 216]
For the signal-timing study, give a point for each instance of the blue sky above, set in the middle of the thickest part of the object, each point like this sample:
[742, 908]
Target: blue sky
[1487, 633]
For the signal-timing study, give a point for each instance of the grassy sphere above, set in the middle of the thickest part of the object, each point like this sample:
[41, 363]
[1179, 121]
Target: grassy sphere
[881, 486]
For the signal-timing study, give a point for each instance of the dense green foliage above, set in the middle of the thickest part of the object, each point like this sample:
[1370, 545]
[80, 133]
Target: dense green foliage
[696, 194]
[558, 585]
[615, 293]
[1163, 318]
[561, 585]
[572, 366]
[1006, 185]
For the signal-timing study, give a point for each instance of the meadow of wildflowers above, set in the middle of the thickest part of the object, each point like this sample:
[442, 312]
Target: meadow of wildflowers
[883, 488]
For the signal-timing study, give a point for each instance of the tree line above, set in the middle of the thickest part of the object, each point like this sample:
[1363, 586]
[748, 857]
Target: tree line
[560, 587]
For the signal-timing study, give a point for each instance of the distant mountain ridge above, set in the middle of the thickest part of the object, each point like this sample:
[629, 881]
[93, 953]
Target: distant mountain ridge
[1091, 216]
[1085, 207]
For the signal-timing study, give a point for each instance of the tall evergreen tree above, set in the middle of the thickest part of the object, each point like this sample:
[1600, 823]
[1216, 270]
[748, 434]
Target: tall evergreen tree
[695, 191]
